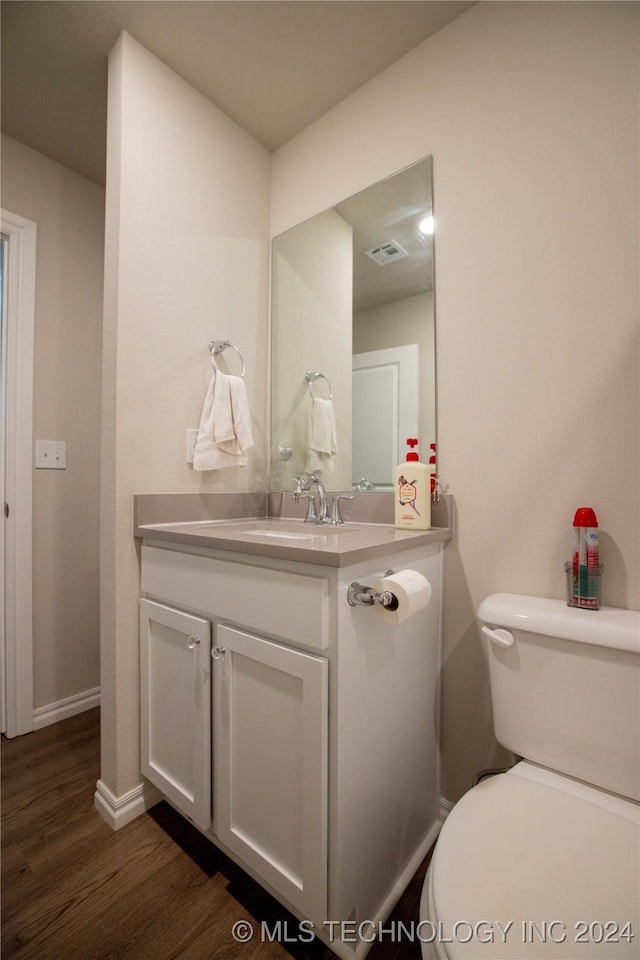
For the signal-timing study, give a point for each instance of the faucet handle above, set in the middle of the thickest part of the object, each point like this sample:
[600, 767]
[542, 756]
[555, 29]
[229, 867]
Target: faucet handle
[364, 485]
[302, 483]
[336, 515]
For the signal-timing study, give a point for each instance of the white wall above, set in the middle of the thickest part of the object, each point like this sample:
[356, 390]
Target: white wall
[531, 113]
[312, 291]
[186, 254]
[69, 212]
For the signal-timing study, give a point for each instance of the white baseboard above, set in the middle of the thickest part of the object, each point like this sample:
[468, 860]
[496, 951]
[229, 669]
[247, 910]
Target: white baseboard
[53, 712]
[118, 811]
[445, 808]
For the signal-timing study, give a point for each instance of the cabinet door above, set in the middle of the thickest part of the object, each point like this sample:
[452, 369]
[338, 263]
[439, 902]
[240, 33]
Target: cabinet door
[270, 764]
[176, 707]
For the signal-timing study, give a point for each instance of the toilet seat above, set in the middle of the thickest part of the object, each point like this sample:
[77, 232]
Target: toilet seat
[533, 864]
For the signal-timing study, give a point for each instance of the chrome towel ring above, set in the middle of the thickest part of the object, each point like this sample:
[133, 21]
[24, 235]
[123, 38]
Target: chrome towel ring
[217, 346]
[311, 377]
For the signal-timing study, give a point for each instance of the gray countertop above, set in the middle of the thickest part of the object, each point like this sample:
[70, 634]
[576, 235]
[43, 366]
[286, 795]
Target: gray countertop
[288, 538]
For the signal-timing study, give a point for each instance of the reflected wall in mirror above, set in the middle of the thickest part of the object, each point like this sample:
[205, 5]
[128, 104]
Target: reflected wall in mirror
[353, 301]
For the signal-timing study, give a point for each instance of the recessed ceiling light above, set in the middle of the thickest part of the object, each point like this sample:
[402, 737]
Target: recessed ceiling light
[427, 225]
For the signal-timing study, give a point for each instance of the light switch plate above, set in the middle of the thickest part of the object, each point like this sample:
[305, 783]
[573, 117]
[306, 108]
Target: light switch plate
[51, 455]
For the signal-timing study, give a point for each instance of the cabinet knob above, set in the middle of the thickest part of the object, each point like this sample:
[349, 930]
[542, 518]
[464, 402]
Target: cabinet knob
[217, 652]
[192, 642]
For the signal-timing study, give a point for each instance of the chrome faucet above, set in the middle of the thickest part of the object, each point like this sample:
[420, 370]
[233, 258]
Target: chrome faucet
[318, 513]
[315, 514]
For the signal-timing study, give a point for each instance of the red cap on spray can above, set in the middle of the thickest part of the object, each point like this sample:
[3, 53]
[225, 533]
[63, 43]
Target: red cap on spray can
[585, 517]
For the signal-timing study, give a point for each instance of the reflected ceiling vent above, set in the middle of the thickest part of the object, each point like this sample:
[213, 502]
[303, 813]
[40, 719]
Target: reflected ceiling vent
[386, 253]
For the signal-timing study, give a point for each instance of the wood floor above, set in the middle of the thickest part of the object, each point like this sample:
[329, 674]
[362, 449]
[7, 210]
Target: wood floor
[155, 890]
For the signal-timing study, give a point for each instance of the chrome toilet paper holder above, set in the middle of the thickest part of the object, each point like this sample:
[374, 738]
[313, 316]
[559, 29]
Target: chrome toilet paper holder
[360, 595]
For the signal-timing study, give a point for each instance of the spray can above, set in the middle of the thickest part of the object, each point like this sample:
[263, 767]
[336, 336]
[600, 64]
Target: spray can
[585, 561]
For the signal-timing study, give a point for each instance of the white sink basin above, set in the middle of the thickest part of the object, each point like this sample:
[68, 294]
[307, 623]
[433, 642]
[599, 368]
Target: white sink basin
[290, 531]
[280, 535]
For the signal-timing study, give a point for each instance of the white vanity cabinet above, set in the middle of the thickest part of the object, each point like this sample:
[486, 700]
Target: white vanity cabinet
[301, 733]
[248, 764]
[175, 707]
[270, 763]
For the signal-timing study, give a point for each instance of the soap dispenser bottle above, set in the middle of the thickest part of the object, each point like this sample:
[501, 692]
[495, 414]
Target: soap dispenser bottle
[412, 491]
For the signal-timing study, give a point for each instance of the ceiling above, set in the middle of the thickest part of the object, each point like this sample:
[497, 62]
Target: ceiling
[274, 66]
[389, 212]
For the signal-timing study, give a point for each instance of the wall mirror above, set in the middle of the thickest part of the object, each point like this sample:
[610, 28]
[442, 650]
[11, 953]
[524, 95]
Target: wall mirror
[353, 336]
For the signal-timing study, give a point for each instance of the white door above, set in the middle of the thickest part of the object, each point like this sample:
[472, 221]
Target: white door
[175, 705]
[385, 411]
[16, 464]
[270, 764]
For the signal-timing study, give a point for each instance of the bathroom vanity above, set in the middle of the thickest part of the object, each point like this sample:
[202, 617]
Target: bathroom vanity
[299, 733]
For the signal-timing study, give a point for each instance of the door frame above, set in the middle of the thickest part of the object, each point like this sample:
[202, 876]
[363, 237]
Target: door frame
[17, 474]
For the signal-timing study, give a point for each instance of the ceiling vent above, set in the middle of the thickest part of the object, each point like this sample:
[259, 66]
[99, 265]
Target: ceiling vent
[386, 253]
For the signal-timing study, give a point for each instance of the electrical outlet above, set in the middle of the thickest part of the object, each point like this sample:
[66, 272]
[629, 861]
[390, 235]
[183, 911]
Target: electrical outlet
[51, 455]
[192, 436]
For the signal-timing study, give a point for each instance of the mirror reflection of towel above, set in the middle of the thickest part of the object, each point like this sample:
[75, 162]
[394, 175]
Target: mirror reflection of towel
[224, 435]
[322, 437]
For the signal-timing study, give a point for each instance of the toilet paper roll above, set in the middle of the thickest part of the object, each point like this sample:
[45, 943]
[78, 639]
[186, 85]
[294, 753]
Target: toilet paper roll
[412, 591]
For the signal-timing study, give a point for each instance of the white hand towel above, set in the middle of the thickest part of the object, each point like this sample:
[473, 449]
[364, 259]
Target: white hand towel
[224, 434]
[322, 437]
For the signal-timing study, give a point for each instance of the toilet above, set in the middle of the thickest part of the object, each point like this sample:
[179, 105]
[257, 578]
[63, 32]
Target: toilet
[544, 859]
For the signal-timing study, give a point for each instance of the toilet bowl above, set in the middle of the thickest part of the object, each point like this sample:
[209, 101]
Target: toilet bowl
[544, 860]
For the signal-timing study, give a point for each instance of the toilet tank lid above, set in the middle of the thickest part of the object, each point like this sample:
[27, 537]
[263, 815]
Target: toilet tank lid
[606, 627]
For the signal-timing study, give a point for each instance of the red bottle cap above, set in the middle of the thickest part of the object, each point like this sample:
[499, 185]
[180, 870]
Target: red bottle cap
[411, 442]
[585, 517]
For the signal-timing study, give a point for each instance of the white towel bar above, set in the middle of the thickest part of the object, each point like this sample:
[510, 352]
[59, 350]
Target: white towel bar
[217, 346]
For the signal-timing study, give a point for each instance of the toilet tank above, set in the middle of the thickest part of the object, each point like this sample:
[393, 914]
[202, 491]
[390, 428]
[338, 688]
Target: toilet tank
[565, 687]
